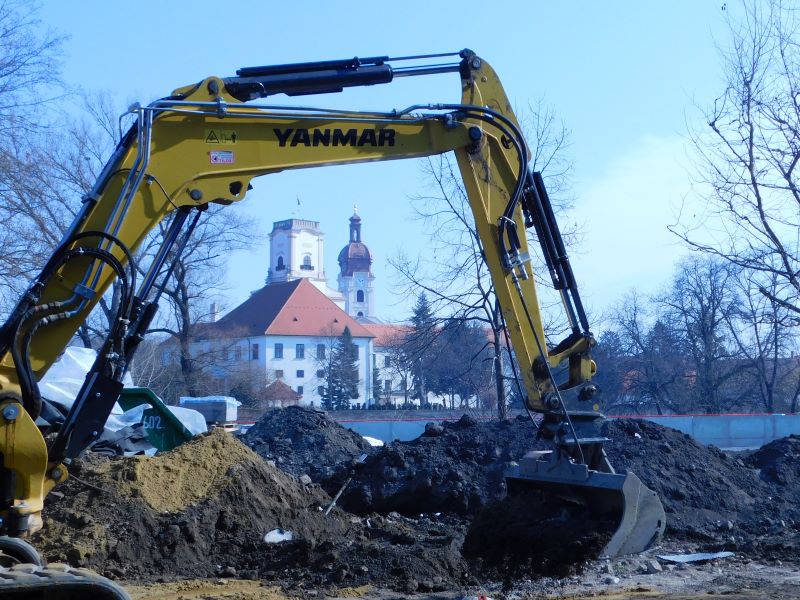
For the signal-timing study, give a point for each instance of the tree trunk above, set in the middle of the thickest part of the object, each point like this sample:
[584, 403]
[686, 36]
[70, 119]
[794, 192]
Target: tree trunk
[499, 381]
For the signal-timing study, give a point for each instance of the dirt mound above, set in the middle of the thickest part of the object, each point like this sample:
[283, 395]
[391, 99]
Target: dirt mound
[711, 498]
[203, 510]
[706, 493]
[117, 517]
[779, 463]
[305, 441]
[456, 467]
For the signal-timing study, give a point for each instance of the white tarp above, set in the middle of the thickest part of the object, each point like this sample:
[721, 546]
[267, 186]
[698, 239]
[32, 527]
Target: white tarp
[191, 419]
[64, 379]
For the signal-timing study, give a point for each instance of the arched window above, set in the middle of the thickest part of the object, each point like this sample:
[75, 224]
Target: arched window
[280, 266]
[360, 314]
[360, 296]
[306, 266]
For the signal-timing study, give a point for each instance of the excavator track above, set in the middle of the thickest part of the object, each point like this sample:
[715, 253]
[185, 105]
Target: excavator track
[56, 582]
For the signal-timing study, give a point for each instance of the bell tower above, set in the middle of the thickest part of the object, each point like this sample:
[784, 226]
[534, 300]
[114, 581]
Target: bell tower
[355, 274]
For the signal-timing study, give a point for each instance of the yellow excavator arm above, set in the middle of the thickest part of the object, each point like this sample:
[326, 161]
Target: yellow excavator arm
[204, 144]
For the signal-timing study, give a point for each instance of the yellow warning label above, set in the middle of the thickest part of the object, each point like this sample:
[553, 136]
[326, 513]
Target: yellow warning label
[223, 137]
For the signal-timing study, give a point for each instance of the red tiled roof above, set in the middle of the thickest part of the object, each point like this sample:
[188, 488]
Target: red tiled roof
[289, 308]
[278, 390]
[385, 334]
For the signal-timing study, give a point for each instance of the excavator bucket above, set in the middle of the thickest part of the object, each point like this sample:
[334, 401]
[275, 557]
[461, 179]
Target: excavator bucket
[619, 497]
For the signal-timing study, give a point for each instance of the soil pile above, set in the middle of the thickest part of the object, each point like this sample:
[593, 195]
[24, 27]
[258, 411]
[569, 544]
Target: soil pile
[779, 464]
[456, 467]
[203, 511]
[705, 492]
[710, 497]
[304, 441]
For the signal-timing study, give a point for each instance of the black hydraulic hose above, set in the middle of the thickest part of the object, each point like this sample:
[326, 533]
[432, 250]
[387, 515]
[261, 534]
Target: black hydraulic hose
[515, 137]
[125, 251]
[20, 352]
[516, 375]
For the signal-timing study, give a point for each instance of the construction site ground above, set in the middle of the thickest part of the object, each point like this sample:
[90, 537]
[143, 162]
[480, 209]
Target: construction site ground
[224, 518]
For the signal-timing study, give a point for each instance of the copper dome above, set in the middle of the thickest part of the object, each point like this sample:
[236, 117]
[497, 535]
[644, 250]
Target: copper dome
[355, 256]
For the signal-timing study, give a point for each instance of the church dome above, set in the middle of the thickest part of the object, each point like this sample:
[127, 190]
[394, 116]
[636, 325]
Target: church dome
[355, 256]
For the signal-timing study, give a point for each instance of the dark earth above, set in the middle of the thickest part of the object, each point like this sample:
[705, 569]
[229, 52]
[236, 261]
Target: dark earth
[419, 516]
[304, 441]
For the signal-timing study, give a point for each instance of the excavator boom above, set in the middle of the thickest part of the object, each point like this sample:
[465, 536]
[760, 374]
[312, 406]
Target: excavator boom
[204, 144]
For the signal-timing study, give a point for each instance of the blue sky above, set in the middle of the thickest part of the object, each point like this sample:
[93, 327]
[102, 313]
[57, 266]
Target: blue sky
[626, 77]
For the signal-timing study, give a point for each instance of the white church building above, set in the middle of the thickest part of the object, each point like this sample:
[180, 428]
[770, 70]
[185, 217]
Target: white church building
[285, 329]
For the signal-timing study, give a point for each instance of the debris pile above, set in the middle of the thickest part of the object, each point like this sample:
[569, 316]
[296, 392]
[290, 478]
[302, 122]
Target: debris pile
[304, 441]
[779, 465]
[525, 534]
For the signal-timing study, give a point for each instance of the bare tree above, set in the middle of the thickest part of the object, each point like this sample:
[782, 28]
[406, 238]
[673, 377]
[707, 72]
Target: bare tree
[399, 365]
[42, 179]
[195, 284]
[763, 332]
[653, 369]
[698, 306]
[748, 156]
[30, 69]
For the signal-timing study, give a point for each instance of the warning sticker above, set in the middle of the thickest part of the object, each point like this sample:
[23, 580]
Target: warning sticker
[224, 137]
[221, 157]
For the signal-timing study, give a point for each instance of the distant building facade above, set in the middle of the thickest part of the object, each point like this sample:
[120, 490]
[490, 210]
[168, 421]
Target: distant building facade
[285, 330]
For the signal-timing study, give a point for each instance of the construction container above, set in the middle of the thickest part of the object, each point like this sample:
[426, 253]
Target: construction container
[215, 409]
[164, 430]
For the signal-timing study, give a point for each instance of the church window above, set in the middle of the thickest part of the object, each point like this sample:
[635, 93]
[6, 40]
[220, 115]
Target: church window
[300, 351]
[280, 266]
[360, 296]
[254, 352]
[278, 350]
[307, 266]
[360, 314]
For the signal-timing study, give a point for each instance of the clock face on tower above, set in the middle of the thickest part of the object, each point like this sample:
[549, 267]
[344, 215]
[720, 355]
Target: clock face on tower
[360, 280]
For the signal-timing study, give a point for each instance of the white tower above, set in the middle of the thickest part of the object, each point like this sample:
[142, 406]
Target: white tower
[355, 274]
[296, 252]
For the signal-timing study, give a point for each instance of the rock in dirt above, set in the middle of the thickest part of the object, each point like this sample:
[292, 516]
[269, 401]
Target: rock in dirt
[307, 441]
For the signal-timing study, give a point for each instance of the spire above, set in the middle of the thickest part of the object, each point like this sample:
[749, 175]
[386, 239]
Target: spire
[355, 225]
